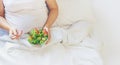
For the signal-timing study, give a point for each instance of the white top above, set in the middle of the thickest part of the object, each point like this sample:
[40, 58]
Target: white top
[25, 14]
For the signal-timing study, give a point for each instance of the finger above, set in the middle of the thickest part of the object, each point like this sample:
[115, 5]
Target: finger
[46, 29]
[10, 35]
[49, 37]
[19, 34]
[16, 37]
[13, 37]
[48, 40]
[14, 32]
[36, 28]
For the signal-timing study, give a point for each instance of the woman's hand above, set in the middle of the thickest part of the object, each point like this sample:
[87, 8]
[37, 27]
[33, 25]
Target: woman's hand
[14, 33]
[47, 31]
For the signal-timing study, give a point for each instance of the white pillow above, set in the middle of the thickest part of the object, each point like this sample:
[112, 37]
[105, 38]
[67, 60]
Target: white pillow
[71, 11]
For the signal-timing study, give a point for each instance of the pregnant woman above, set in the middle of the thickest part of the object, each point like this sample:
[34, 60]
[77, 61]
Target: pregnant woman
[20, 16]
[69, 44]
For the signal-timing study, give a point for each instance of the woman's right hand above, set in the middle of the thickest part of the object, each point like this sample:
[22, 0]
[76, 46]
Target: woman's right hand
[14, 33]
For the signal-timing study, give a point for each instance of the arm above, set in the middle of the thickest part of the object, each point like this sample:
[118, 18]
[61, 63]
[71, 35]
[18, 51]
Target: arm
[1, 9]
[53, 8]
[14, 34]
[3, 23]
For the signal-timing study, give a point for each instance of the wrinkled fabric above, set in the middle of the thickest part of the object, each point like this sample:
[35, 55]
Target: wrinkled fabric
[61, 50]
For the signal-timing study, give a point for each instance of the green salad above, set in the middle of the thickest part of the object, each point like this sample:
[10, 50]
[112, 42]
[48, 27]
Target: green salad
[38, 37]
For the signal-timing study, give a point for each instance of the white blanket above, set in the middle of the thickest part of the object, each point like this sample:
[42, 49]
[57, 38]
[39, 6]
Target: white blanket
[60, 51]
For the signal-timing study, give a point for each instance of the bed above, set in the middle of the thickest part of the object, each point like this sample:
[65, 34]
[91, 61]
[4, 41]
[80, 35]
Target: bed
[71, 44]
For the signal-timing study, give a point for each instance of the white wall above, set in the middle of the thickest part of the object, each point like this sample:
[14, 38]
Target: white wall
[108, 28]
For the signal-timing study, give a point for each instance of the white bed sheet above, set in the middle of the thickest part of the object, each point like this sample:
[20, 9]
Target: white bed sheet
[57, 52]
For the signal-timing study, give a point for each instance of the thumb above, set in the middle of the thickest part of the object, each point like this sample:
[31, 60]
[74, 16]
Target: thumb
[49, 38]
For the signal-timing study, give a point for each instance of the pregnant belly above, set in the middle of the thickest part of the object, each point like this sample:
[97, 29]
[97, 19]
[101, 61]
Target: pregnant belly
[26, 23]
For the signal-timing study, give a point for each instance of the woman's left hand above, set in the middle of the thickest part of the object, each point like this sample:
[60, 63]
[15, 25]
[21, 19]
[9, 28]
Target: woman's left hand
[47, 30]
